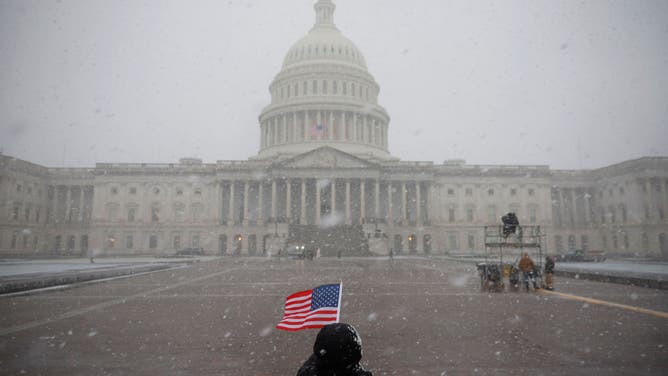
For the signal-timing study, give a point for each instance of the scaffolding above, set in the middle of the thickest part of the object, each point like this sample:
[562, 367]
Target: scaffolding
[500, 244]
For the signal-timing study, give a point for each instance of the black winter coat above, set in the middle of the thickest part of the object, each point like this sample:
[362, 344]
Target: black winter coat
[337, 352]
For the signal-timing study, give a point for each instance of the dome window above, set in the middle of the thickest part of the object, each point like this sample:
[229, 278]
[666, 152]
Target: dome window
[344, 88]
[324, 87]
[305, 88]
[334, 88]
[315, 87]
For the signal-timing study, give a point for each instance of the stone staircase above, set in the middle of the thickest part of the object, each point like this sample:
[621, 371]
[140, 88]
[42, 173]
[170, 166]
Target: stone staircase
[343, 240]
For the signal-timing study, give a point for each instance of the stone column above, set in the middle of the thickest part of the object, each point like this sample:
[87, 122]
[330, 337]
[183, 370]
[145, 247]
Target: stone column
[317, 203]
[219, 203]
[295, 130]
[362, 201]
[260, 202]
[68, 207]
[245, 219]
[373, 132]
[273, 199]
[418, 211]
[80, 215]
[305, 130]
[330, 126]
[333, 196]
[303, 202]
[376, 200]
[230, 214]
[403, 203]
[288, 200]
[348, 219]
[389, 203]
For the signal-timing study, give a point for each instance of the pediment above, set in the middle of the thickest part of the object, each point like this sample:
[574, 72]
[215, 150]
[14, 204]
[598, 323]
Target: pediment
[326, 157]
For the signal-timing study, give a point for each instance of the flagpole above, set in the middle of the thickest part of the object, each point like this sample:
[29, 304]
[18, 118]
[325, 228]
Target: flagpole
[338, 312]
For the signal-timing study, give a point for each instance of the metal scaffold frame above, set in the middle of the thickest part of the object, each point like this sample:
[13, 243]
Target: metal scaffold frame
[523, 238]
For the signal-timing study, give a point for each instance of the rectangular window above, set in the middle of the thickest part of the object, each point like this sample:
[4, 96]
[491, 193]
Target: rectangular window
[452, 242]
[533, 214]
[491, 214]
[14, 238]
[155, 215]
[451, 215]
[133, 190]
[451, 192]
[129, 242]
[153, 241]
[469, 191]
[15, 213]
[471, 241]
[558, 243]
[131, 214]
[195, 241]
[584, 242]
[469, 215]
[513, 192]
[176, 242]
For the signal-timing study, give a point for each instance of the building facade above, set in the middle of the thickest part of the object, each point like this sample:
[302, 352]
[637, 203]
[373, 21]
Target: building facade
[324, 175]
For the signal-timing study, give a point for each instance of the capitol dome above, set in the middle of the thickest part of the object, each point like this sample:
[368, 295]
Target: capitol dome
[324, 96]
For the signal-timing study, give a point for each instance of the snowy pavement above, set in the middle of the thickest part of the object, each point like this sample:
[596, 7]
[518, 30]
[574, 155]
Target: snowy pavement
[15, 267]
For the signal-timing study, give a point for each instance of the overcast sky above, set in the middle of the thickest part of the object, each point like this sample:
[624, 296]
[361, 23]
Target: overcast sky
[571, 84]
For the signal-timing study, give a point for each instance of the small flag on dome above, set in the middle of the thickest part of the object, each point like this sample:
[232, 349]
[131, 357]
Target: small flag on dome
[318, 129]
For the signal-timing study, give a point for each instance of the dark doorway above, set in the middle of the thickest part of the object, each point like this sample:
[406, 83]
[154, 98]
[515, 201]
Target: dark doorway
[398, 244]
[412, 244]
[252, 245]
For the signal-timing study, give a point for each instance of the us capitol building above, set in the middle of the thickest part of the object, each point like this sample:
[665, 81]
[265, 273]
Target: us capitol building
[324, 176]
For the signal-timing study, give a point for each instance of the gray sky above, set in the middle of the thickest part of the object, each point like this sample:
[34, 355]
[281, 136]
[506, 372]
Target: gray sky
[572, 84]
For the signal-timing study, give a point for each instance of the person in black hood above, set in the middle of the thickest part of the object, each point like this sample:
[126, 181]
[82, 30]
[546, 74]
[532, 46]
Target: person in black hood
[337, 352]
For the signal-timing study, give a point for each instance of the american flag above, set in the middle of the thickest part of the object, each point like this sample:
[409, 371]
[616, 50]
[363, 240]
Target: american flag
[318, 129]
[311, 309]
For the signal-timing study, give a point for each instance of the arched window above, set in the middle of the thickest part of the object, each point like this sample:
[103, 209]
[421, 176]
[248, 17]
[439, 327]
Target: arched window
[252, 244]
[426, 241]
[398, 244]
[238, 242]
[222, 244]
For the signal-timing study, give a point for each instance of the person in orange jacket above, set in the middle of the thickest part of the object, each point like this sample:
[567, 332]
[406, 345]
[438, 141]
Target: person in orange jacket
[527, 267]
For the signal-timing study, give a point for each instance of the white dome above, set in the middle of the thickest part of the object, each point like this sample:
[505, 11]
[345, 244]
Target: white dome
[324, 95]
[324, 44]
